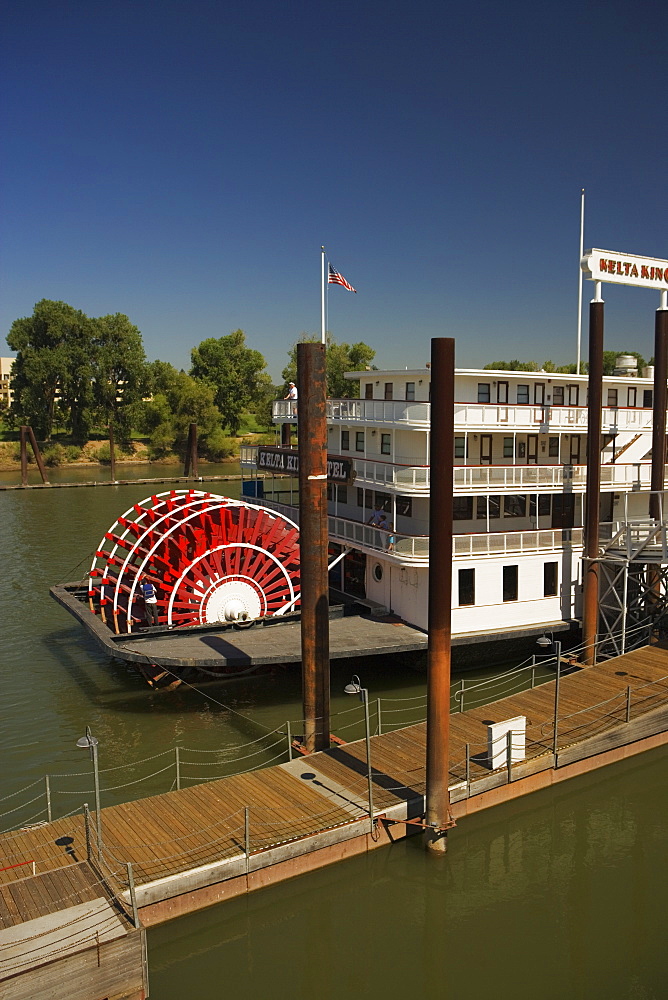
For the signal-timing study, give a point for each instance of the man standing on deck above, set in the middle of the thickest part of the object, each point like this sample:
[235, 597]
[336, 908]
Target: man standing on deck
[150, 601]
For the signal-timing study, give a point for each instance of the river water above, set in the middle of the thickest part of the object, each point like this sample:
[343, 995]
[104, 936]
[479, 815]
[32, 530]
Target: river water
[559, 895]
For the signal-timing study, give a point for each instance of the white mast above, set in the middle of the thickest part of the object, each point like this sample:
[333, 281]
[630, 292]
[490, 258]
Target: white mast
[581, 276]
[323, 336]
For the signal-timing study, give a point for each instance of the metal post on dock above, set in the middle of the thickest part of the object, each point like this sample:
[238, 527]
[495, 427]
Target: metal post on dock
[592, 500]
[87, 830]
[313, 544]
[438, 818]
[380, 722]
[555, 746]
[112, 454]
[133, 896]
[628, 704]
[509, 754]
[89, 742]
[24, 455]
[177, 757]
[38, 455]
[289, 735]
[468, 769]
[247, 840]
[47, 792]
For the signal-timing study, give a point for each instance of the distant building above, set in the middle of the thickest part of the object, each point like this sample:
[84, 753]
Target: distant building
[5, 372]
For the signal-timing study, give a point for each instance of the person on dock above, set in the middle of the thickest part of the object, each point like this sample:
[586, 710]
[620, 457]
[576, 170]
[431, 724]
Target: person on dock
[150, 596]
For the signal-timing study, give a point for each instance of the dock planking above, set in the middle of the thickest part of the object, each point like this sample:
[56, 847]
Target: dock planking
[216, 826]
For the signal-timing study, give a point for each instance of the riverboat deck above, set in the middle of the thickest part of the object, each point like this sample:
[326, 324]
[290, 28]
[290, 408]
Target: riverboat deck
[214, 647]
[198, 845]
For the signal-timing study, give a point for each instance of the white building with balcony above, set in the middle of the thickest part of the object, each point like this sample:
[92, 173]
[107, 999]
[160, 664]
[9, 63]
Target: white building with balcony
[520, 454]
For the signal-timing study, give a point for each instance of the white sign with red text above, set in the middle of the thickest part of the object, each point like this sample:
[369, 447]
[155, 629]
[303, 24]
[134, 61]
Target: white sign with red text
[625, 269]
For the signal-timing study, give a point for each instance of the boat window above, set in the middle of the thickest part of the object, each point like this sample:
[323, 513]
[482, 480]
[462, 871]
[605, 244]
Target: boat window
[550, 579]
[404, 506]
[386, 444]
[632, 396]
[466, 587]
[368, 390]
[508, 447]
[460, 447]
[612, 397]
[510, 583]
[558, 395]
[494, 507]
[342, 494]
[389, 390]
[410, 391]
[539, 393]
[382, 501]
[462, 508]
[647, 398]
[502, 392]
[359, 440]
[345, 440]
[483, 392]
[573, 395]
[553, 447]
[378, 572]
[514, 506]
[522, 394]
[544, 505]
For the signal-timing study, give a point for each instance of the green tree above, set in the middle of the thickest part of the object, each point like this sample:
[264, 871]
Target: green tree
[610, 359]
[339, 358]
[514, 366]
[53, 366]
[121, 372]
[178, 401]
[234, 371]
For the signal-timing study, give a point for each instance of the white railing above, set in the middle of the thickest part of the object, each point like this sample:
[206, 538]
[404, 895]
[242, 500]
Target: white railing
[488, 416]
[475, 416]
[488, 478]
[415, 548]
[515, 542]
[376, 411]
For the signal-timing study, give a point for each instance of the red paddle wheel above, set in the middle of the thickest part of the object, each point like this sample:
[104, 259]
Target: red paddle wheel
[210, 559]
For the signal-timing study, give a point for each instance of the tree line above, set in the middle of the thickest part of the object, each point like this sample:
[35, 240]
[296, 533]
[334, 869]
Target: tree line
[78, 373]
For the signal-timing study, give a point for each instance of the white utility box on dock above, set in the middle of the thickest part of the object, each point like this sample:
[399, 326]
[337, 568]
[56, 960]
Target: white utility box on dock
[497, 742]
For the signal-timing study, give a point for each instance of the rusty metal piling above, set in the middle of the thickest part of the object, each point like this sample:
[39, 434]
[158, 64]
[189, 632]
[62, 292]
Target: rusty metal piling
[591, 539]
[313, 531]
[440, 591]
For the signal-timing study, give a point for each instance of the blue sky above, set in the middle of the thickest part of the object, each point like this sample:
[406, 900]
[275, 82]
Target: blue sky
[183, 163]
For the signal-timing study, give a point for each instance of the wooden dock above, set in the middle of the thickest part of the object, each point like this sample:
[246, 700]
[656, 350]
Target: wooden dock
[202, 844]
[63, 936]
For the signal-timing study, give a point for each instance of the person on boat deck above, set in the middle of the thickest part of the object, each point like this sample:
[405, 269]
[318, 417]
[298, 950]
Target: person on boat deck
[150, 601]
[292, 394]
[377, 516]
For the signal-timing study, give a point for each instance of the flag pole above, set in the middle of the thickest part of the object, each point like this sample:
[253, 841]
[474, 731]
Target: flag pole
[582, 223]
[323, 336]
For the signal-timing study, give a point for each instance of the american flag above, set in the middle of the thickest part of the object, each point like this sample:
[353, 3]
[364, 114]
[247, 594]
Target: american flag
[337, 279]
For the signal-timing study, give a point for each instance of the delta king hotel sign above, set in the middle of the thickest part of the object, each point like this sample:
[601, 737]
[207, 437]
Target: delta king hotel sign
[625, 269]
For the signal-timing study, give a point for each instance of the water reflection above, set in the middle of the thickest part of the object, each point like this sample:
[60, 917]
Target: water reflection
[552, 895]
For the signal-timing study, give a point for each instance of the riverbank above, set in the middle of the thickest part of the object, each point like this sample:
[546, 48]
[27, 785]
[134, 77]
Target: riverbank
[95, 454]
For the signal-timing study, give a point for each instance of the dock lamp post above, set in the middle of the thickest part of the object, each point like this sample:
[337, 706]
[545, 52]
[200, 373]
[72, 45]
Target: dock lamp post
[544, 642]
[355, 687]
[89, 742]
